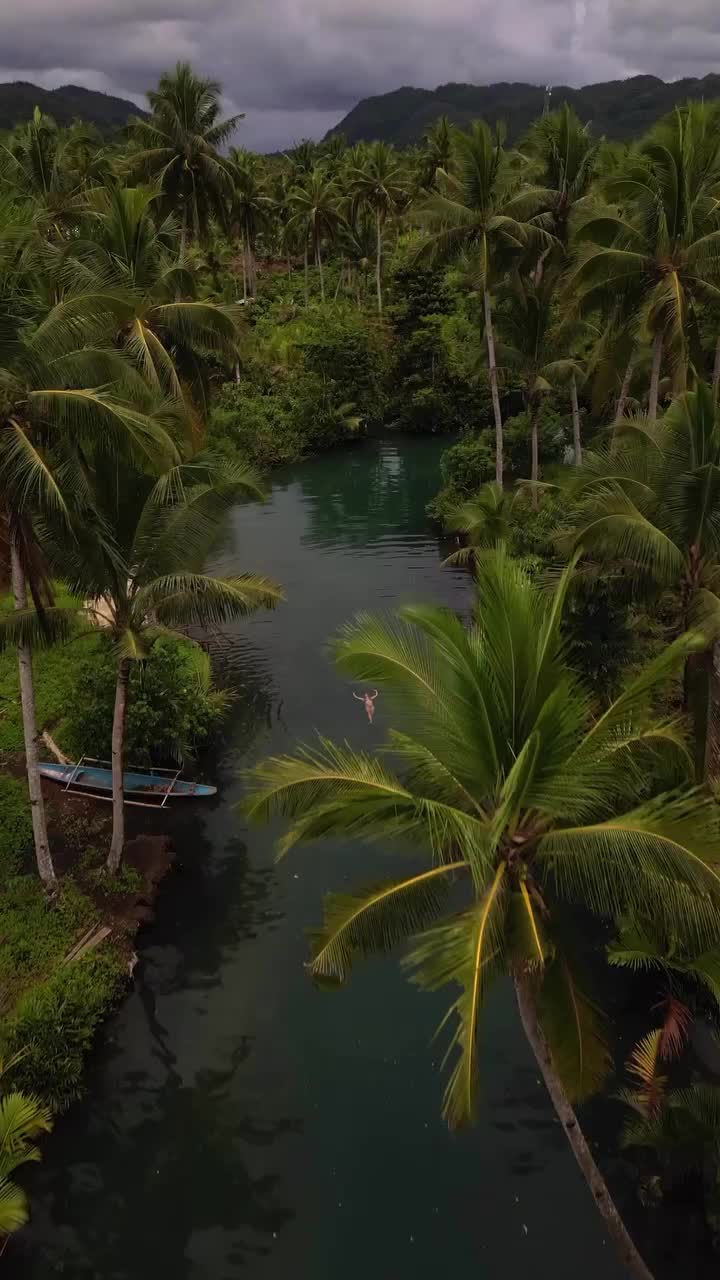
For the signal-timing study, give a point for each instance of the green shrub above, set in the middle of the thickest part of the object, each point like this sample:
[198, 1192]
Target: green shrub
[171, 706]
[55, 1023]
[15, 825]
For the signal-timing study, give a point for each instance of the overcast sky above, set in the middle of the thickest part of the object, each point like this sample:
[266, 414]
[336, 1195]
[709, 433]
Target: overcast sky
[296, 66]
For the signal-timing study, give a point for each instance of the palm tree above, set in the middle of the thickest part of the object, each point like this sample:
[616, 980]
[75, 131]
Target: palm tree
[516, 800]
[317, 217]
[249, 209]
[65, 397]
[178, 146]
[437, 152]
[660, 259]
[486, 520]
[164, 328]
[481, 213]
[650, 501]
[39, 162]
[568, 157]
[530, 345]
[23, 1118]
[149, 577]
[379, 184]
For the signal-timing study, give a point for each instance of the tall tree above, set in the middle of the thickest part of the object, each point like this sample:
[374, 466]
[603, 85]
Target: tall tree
[317, 216]
[568, 159]
[650, 501]
[379, 184]
[437, 151]
[178, 146]
[482, 213]
[517, 799]
[65, 396]
[149, 576]
[164, 328]
[658, 258]
[249, 209]
[533, 343]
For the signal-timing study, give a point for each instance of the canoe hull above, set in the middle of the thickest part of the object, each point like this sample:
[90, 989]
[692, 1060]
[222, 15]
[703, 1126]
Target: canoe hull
[146, 786]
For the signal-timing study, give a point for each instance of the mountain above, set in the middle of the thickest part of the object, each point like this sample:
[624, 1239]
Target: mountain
[616, 109]
[71, 102]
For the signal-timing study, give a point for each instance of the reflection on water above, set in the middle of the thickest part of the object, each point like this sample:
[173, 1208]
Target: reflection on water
[241, 1123]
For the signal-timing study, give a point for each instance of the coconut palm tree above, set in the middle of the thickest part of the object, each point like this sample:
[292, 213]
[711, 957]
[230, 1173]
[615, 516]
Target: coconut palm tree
[249, 211]
[650, 502]
[486, 520]
[43, 163]
[658, 258]
[516, 799]
[482, 213]
[178, 146]
[316, 216]
[164, 328]
[23, 1119]
[568, 159]
[531, 342]
[66, 397]
[147, 577]
[437, 151]
[379, 184]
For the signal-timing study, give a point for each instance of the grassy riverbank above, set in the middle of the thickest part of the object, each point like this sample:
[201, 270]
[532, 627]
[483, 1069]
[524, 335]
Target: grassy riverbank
[52, 1000]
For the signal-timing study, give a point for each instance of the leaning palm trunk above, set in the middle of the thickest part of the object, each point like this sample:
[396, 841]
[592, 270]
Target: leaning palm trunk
[494, 389]
[615, 1227]
[535, 454]
[716, 370]
[655, 377]
[30, 732]
[577, 444]
[307, 284]
[118, 752]
[378, 262]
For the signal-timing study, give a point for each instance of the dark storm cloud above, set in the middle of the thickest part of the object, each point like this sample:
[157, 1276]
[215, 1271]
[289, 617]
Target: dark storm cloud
[295, 66]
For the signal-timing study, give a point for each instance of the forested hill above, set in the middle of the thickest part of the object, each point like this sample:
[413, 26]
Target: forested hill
[616, 109]
[70, 102]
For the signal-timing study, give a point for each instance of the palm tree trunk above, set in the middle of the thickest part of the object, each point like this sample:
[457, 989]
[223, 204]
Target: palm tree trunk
[535, 453]
[320, 269]
[716, 370]
[252, 278]
[341, 277]
[183, 234]
[494, 389]
[655, 377]
[577, 444]
[118, 752]
[378, 262]
[30, 732]
[307, 285]
[624, 390]
[616, 1228]
[245, 279]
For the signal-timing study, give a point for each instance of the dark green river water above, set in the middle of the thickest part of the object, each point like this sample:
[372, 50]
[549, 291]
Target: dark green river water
[239, 1122]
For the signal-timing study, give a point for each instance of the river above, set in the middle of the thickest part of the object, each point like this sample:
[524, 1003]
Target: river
[240, 1122]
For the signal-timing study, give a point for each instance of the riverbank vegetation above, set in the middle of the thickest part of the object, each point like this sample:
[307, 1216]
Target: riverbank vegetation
[180, 312]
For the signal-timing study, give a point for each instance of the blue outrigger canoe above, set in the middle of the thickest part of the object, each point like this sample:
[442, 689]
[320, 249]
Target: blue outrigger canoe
[155, 788]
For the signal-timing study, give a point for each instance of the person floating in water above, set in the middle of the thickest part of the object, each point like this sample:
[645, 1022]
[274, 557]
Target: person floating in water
[369, 700]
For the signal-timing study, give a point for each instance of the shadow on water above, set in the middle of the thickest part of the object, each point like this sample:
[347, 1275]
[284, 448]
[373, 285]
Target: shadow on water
[238, 1121]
